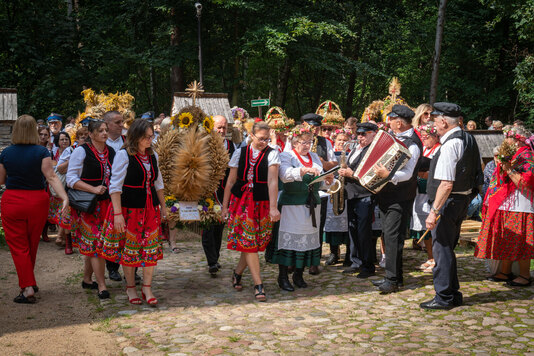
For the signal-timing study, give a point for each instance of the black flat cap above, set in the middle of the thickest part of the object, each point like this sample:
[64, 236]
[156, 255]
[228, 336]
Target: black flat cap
[312, 119]
[366, 126]
[402, 111]
[447, 109]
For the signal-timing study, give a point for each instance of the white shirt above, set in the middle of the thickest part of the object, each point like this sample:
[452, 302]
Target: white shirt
[272, 158]
[65, 155]
[354, 153]
[406, 172]
[330, 154]
[75, 166]
[451, 152]
[115, 144]
[119, 169]
[290, 166]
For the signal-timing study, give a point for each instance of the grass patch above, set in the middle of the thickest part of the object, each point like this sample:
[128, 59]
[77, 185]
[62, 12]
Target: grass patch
[234, 338]
[105, 325]
[74, 279]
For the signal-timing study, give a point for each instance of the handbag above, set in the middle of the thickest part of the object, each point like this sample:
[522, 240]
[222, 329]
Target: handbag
[82, 201]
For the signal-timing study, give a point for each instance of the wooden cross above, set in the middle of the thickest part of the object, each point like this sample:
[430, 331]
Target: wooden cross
[195, 90]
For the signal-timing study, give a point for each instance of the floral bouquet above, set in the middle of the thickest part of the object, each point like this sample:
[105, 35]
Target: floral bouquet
[210, 212]
[506, 152]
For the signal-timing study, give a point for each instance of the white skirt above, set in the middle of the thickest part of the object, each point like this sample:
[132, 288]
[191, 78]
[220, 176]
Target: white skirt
[296, 231]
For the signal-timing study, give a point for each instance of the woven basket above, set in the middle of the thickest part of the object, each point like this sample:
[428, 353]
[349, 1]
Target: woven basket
[331, 114]
[277, 119]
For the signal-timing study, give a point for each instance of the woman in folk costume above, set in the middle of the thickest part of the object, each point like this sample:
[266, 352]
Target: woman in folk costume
[132, 228]
[421, 208]
[336, 227]
[296, 238]
[250, 198]
[90, 170]
[507, 232]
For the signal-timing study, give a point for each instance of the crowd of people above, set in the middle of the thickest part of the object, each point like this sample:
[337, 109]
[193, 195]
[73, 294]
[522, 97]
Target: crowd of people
[275, 197]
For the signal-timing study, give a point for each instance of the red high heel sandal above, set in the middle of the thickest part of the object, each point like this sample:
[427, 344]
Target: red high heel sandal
[134, 301]
[151, 301]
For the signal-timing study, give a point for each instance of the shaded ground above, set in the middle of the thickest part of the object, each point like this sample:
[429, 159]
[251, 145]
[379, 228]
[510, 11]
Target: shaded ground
[337, 314]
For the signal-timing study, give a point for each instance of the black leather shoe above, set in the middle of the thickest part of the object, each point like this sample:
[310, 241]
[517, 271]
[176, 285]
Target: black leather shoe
[332, 259]
[297, 278]
[347, 263]
[218, 265]
[433, 304]
[284, 284]
[388, 287]
[213, 269]
[365, 274]
[115, 276]
[103, 294]
[93, 285]
[379, 282]
[350, 270]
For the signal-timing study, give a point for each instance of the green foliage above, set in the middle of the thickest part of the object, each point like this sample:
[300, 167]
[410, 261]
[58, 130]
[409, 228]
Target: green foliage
[298, 53]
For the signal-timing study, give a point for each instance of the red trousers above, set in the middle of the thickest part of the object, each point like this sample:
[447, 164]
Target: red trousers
[24, 213]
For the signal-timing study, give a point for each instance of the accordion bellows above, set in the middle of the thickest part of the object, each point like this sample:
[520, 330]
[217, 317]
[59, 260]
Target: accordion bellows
[386, 150]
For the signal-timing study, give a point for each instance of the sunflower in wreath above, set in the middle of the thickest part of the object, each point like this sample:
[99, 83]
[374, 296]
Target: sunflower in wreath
[208, 123]
[183, 120]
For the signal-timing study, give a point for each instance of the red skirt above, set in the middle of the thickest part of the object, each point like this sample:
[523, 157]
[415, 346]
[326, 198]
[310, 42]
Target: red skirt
[249, 224]
[54, 210]
[509, 236]
[140, 244]
[86, 229]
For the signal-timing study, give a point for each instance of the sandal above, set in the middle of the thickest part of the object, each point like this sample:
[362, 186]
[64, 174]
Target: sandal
[104, 294]
[175, 250]
[259, 293]
[152, 301]
[134, 301]
[21, 298]
[513, 283]
[236, 281]
[494, 278]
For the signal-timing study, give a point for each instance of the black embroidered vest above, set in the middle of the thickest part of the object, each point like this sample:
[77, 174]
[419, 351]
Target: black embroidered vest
[260, 190]
[93, 170]
[134, 192]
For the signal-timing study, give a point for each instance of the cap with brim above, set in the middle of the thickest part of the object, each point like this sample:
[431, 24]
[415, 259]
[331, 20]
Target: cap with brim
[392, 114]
[366, 126]
[54, 117]
[447, 109]
[312, 119]
[148, 116]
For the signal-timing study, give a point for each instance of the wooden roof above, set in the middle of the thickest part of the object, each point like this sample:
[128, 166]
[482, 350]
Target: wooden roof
[211, 103]
[486, 141]
[8, 104]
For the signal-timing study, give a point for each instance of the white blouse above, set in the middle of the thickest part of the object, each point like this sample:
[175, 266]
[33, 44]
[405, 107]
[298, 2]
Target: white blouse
[119, 169]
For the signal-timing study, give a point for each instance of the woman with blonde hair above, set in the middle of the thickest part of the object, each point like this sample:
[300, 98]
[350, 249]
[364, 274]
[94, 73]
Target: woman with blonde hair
[25, 166]
[422, 116]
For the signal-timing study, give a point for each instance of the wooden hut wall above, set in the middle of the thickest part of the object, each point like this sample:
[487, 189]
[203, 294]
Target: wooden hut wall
[486, 141]
[211, 103]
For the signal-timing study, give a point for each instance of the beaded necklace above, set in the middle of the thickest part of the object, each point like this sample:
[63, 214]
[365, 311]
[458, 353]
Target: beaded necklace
[145, 160]
[308, 164]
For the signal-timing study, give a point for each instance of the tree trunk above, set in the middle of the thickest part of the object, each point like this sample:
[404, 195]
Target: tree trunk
[235, 82]
[437, 51]
[350, 94]
[283, 80]
[177, 73]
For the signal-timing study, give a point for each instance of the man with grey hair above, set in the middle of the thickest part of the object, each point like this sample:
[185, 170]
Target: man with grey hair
[212, 236]
[453, 180]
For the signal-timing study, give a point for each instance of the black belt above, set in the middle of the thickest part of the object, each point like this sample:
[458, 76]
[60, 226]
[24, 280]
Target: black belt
[311, 203]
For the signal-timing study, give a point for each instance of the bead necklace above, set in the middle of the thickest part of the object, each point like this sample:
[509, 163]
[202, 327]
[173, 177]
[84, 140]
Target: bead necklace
[308, 164]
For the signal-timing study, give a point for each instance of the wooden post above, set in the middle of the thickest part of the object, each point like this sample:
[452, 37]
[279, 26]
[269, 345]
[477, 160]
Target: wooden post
[437, 51]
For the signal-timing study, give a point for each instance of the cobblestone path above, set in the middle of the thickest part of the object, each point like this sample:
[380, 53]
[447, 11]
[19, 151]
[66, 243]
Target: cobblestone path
[336, 315]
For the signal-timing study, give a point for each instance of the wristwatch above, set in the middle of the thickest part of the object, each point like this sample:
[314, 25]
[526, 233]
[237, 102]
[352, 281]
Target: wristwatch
[434, 210]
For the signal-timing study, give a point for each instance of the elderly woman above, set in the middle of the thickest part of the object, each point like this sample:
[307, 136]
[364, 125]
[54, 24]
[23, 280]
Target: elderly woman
[250, 204]
[421, 208]
[132, 228]
[507, 232]
[90, 170]
[24, 166]
[296, 240]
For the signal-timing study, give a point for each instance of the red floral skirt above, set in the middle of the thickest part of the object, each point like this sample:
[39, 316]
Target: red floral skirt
[509, 236]
[249, 224]
[86, 229]
[140, 244]
[54, 214]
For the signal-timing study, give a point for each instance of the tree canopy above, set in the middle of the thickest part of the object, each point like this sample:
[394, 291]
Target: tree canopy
[296, 52]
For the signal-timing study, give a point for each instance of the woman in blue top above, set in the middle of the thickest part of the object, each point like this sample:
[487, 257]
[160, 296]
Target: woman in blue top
[23, 169]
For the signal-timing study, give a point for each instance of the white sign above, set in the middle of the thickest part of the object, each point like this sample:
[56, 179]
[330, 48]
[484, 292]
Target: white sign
[189, 211]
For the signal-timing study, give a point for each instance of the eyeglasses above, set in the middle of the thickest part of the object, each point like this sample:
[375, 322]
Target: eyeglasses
[305, 143]
[326, 128]
[426, 113]
[361, 133]
[148, 137]
[264, 140]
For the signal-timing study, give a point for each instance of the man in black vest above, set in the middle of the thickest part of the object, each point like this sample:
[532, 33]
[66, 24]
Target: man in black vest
[453, 180]
[325, 151]
[212, 236]
[360, 206]
[395, 200]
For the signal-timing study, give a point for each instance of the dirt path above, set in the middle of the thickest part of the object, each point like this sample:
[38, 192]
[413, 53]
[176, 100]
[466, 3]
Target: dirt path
[64, 321]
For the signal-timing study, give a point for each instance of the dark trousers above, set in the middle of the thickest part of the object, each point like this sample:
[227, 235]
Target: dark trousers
[444, 240]
[324, 204]
[211, 242]
[395, 219]
[112, 266]
[360, 216]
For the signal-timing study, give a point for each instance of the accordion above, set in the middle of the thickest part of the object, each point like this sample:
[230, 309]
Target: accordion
[389, 152]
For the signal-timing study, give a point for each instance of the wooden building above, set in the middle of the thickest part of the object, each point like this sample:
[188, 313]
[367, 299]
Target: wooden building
[8, 115]
[211, 103]
[486, 141]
